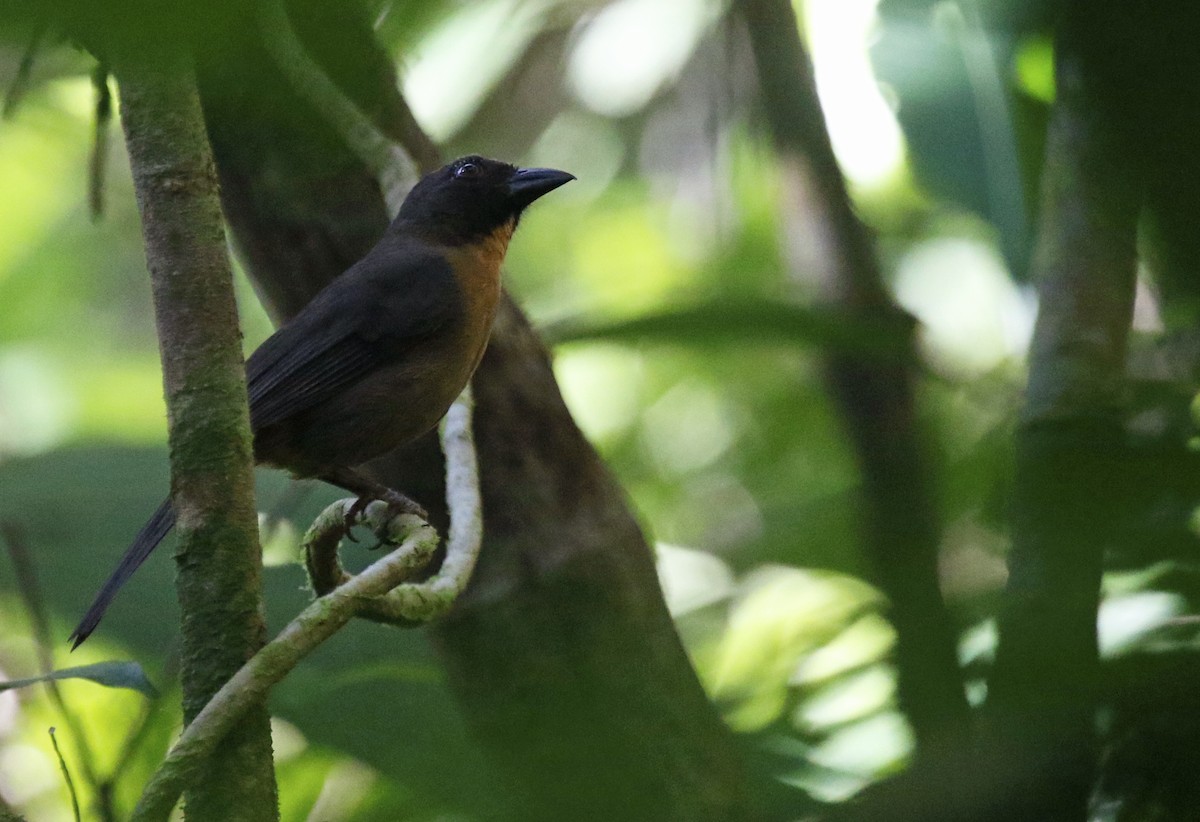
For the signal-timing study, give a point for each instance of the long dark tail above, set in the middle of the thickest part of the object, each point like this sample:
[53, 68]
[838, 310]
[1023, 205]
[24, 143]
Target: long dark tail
[144, 543]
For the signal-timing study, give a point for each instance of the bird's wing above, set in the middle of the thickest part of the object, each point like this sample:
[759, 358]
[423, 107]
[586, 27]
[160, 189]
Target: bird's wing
[366, 319]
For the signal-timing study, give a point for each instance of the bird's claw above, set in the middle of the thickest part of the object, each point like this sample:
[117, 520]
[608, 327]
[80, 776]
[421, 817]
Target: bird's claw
[352, 516]
[397, 504]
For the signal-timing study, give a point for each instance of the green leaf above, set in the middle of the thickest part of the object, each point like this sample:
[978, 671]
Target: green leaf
[109, 674]
[742, 320]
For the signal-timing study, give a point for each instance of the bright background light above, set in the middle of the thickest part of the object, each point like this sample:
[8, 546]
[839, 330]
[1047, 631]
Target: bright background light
[862, 126]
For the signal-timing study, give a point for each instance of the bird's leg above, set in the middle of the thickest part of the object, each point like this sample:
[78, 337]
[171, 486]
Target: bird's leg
[368, 490]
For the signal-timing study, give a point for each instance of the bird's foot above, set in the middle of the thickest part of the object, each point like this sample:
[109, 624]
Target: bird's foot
[397, 504]
[400, 504]
[351, 517]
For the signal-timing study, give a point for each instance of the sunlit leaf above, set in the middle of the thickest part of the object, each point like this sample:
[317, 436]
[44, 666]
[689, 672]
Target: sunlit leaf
[870, 746]
[866, 640]
[782, 614]
[846, 699]
[1124, 621]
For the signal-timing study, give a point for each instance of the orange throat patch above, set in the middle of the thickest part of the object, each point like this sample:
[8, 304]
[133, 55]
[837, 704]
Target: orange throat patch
[479, 263]
[493, 247]
[477, 267]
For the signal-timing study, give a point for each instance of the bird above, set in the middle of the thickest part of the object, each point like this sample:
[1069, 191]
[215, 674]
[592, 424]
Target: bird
[376, 358]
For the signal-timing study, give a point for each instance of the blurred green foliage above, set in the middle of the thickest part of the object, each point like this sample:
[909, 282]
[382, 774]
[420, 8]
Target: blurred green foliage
[692, 363]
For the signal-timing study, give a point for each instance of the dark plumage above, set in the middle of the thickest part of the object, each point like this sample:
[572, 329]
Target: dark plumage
[377, 357]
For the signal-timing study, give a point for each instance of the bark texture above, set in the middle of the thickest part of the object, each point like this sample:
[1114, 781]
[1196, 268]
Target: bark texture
[562, 653]
[209, 433]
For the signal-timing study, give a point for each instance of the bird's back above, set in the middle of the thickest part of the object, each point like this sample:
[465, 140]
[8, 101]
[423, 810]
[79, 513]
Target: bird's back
[403, 329]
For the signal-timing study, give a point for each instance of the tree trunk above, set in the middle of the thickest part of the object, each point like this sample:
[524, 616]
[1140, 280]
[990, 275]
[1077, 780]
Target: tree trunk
[1070, 445]
[219, 558]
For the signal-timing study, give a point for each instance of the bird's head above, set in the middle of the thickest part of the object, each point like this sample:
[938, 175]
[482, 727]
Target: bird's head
[473, 197]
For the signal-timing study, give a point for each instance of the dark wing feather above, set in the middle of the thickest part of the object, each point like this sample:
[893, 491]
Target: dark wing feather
[306, 374]
[364, 320]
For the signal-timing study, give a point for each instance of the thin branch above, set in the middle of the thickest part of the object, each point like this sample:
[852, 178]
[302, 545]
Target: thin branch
[321, 541]
[462, 495]
[379, 593]
[413, 603]
[66, 772]
[315, 624]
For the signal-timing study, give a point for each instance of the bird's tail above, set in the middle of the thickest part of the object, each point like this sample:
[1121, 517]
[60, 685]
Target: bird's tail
[144, 543]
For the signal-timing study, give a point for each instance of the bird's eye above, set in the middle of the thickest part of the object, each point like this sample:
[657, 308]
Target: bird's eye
[467, 171]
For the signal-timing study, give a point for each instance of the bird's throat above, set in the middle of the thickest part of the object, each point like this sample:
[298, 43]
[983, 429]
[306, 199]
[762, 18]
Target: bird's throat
[494, 246]
[477, 267]
[479, 261]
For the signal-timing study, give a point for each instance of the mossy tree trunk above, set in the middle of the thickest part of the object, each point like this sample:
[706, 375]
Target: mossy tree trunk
[219, 579]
